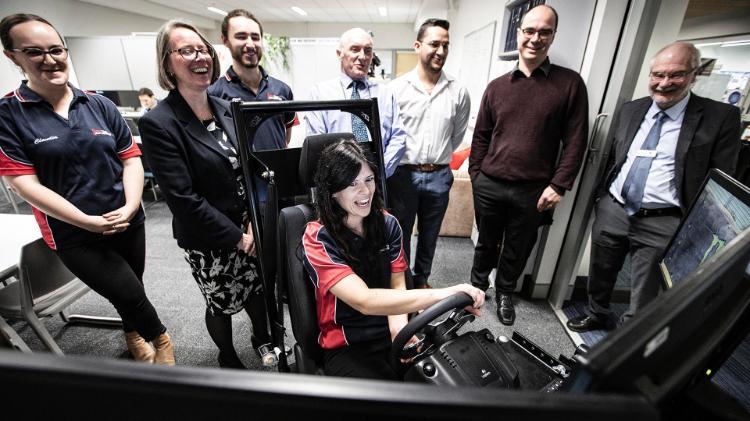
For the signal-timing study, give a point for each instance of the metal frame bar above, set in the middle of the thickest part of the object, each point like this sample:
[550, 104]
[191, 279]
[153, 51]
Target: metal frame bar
[248, 117]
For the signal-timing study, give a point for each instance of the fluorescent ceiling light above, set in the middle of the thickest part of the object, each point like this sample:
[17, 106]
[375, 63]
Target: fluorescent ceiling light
[217, 10]
[299, 11]
[735, 44]
[383, 11]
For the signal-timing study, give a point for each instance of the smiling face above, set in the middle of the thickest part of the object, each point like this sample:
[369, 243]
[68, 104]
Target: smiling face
[671, 76]
[356, 199]
[244, 41]
[190, 73]
[534, 49]
[355, 53]
[432, 50]
[45, 71]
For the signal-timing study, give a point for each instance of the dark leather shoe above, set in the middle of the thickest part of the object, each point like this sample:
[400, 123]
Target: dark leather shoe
[505, 310]
[230, 361]
[587, 323]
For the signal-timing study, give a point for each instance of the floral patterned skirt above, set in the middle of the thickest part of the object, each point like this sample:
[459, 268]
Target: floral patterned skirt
[226, 277]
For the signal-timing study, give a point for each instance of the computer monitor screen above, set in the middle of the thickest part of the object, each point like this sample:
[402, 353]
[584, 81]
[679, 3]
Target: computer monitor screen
[718, 215]
[684, 336]
[122, 98]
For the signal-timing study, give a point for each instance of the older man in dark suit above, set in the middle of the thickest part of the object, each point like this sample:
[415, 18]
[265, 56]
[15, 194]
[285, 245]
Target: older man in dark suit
[664, 146]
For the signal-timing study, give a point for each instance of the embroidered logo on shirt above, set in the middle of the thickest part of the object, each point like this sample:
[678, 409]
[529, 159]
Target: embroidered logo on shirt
[100, 132]
[46, 139]
[272, 97]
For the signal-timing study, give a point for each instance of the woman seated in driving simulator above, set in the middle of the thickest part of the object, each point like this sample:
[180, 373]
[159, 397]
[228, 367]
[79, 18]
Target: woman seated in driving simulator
[353, 253]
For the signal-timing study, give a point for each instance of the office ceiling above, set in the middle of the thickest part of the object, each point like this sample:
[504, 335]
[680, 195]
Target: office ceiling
[366, 11]
[701, 8]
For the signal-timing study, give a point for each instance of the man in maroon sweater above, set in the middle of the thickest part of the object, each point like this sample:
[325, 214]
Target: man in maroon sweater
[524, 117]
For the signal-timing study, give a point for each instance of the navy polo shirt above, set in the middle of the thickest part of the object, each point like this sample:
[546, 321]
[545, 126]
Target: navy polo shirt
[272, 133]
[341, 325]
[79, 158]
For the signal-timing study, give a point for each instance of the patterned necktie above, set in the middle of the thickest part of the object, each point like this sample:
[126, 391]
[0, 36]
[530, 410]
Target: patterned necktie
[635, 182]
[359, 129]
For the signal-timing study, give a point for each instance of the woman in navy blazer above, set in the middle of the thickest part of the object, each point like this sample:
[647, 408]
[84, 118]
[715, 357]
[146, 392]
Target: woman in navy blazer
[192, 151]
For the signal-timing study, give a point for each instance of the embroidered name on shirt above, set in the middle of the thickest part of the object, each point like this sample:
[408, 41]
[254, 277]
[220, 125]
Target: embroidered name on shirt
[272, 97]
[46, 139]
[100, 132]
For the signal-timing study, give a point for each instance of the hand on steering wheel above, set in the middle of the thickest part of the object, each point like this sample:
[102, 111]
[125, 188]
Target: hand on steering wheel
[452, 302]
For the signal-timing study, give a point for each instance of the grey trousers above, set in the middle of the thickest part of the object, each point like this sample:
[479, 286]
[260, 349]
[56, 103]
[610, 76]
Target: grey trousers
[613, 236]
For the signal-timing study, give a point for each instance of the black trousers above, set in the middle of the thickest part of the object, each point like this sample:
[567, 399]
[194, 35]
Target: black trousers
[113, 267]
[508, 222]
[615, 235]
[367, 360]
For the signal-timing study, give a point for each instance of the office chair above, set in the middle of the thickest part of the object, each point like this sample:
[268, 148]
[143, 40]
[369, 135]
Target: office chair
[45, 287]
[9, 196]
[150, 181]
[293, 280]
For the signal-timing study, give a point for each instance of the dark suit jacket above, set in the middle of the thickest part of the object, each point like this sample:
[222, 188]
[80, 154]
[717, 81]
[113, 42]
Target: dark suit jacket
[709, 138]
[193, 172]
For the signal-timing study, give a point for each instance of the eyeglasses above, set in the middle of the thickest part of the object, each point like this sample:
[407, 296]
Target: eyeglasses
[37, 54]
[190, 53]
[676, 76]
[544, 34]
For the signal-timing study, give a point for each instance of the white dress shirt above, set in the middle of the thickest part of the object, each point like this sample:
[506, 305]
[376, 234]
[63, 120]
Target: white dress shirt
[335, 121]
[436, 122]
[660, 190]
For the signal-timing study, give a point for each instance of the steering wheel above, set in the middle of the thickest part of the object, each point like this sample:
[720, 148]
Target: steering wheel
[454, 302]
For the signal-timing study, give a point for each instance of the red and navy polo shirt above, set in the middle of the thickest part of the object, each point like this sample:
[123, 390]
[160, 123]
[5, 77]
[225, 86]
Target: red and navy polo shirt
[341, 325]
[79, 158]
[272, 133]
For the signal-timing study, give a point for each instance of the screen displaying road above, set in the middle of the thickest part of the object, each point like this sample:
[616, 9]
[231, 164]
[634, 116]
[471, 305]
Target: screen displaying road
[714, 221]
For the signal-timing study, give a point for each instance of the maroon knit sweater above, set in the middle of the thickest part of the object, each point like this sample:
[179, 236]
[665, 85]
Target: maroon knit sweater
[523, 121]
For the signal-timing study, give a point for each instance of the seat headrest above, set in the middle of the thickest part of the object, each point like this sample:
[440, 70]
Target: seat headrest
[311, 149]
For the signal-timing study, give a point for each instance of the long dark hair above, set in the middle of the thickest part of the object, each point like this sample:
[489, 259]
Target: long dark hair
[339, 164]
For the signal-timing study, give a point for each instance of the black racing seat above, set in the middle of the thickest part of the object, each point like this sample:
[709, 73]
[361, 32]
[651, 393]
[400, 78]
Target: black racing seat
[292, 275]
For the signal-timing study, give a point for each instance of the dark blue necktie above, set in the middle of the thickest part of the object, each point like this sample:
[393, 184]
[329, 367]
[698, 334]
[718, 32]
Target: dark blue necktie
[359, 129]
[635, 182]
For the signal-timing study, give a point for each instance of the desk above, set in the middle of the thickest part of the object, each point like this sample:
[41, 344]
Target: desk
[18, 230]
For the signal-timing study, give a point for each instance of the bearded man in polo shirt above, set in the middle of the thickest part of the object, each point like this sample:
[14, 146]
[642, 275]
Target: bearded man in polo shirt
[524, 117]
[435, 112]
[242, 34]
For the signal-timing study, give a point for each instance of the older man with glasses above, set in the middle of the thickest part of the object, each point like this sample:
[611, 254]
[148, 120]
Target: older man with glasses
[664, 146]
[524, 118]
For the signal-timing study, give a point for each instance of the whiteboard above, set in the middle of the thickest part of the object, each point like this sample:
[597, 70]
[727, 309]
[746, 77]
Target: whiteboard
[476, 60]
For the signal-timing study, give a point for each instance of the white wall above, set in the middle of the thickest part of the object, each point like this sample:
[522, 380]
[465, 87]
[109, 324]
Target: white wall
[386, 35]
[728, 59]
[75, 18]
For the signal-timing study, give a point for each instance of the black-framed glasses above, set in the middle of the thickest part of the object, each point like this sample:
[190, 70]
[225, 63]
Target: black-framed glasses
[543, 33]
[37, 54]
[676, 76]
[191, 53]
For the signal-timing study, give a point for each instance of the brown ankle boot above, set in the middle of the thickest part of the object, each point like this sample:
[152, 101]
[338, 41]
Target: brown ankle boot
[139, 348]
[164, 351]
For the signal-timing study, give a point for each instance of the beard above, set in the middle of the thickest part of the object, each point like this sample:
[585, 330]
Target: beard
[238, 57]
